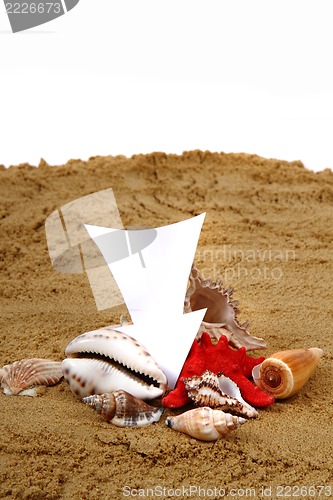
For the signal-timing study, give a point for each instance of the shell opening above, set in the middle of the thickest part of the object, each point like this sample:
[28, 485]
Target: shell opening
[139, 377]
[221, 314]
[273, 378]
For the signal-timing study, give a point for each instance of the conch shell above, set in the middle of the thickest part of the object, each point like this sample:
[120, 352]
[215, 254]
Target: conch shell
[205, 423]
[123, 409]
[205, 390]
[221, 315]
[286, 372]
[21, 377]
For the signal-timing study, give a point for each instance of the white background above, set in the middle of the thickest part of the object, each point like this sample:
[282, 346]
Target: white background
[136, 76]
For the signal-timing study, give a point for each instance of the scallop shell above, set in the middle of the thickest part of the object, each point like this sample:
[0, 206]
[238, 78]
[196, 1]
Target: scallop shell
[205, 390]
[221, 315]
[123, 409]
[20, 377]
[286, 372]
[107, 360]
[205, 423]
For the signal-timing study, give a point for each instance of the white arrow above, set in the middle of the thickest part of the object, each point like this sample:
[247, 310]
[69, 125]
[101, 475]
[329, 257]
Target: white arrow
[153, 281]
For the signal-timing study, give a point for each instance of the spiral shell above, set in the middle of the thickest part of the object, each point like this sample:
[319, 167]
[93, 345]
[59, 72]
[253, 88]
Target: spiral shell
[20, 377]
[205, 390]
[205, 423]
[286, 372]
[123, 409]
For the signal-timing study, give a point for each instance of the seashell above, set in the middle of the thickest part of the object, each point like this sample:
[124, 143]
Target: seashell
[205, 423]
[221, 315]
[229, 387]
[123, 409]
[284, 373]
[20, 377]
[107, 360]
[205, 390]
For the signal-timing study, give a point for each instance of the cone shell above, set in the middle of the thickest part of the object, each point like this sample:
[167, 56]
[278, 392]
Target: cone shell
[286, 372]
[205, 423]
[20, 377]
[123, 409]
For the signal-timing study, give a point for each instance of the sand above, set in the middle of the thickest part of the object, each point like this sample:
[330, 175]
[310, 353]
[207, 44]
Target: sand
[268, 233]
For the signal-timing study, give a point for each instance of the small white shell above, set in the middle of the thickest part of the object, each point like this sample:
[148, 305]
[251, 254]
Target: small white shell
[204, 423]
[230, 388]
[20, 377]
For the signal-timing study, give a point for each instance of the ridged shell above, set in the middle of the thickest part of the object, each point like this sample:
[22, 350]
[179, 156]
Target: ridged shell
[286, 372]
[205, 423]
[20, 377]
[221, 315]
[205, 390]
[107, 360]
[123, 409]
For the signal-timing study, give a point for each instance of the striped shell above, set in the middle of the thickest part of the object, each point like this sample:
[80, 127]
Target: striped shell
[205, 390]
[204, 423]
[124, 410]
[20, 377]
[284, 373]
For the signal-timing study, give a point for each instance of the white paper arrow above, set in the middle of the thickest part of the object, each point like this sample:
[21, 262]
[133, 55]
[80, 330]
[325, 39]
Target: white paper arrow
[151, 268]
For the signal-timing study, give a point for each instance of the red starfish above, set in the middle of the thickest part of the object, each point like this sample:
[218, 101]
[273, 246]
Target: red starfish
[217, 358]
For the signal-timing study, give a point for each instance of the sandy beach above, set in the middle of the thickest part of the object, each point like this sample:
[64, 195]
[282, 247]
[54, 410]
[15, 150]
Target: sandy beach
[268, 233]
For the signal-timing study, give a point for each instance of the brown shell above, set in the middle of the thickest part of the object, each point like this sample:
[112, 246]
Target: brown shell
[123, 409]
[284, 373]
[221, 315]
[20, 377]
